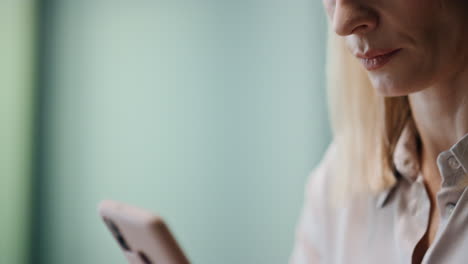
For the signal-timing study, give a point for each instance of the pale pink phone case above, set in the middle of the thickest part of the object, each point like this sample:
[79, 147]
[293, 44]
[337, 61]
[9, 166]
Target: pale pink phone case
[143, 237]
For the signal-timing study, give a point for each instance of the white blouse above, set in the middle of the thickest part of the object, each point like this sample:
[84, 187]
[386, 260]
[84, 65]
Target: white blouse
[386, 228]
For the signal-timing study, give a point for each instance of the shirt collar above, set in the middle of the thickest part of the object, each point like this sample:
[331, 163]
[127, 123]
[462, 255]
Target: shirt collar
[460, 152]
[406, 159]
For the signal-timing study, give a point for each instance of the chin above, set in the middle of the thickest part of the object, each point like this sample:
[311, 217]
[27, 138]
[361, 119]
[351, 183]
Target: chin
[389, 86]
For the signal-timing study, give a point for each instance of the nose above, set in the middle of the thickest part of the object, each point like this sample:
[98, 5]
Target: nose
[353, 17]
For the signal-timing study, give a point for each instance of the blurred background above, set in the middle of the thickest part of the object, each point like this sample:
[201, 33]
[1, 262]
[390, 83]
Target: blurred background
[210, 112]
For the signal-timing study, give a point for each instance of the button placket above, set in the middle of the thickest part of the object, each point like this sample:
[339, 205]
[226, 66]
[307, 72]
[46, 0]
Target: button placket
[450, 169]
[453, 162]
[460, 152]
[449, 208]
[451, 172]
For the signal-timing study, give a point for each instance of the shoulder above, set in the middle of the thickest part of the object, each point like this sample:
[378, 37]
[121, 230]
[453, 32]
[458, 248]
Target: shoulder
[316, 211]
[324, 185]
[312, 237]
[327, 230]
[324, 219]
[319, 182]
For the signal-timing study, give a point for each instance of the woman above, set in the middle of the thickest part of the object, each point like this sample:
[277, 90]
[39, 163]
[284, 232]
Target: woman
[392, 185]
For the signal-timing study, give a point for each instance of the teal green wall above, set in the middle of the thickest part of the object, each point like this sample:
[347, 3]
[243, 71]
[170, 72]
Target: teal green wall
[211, 113]
[16, 120]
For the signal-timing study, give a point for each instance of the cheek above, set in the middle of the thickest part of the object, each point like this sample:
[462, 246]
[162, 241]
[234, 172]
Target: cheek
[410, 15]
[418, 7]
[405, 75]
[424, 17]
[418, 27]
[435, 31]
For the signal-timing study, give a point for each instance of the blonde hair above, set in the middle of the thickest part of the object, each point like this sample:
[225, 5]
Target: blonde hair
[365, 126]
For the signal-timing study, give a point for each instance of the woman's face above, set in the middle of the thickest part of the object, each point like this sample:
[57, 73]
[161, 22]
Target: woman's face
[405, 45]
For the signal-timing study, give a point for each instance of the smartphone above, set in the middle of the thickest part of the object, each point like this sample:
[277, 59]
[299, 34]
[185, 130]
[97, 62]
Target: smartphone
[143, 237]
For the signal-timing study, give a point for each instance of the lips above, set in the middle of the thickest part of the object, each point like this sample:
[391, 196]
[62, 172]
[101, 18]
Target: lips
[376, 59]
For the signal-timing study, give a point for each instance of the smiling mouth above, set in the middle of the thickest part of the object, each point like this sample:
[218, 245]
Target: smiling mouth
[376, 59]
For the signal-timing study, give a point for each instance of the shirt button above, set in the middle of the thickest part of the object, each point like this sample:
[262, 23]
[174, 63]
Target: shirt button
[450, 207]
[453, 163]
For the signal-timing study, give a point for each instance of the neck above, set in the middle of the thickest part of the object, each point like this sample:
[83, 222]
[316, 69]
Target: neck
[440, 113]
